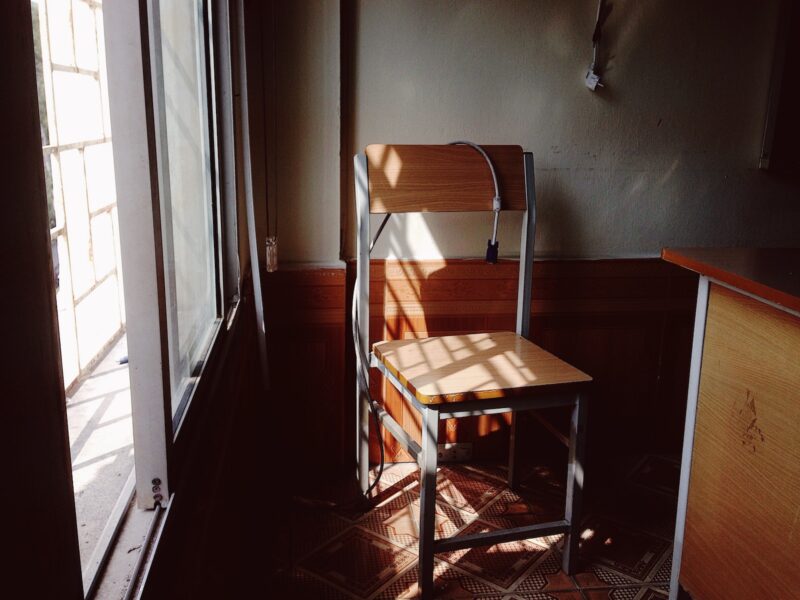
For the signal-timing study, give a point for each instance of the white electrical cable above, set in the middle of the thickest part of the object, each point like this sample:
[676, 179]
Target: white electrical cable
[496, 203]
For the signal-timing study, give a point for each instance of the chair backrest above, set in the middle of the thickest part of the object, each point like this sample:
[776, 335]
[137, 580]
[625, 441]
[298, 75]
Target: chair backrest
[424, 178]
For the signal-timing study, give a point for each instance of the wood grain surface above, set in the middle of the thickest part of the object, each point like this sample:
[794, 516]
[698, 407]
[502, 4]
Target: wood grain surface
[406, 178]
[600, 316]
[743, 518]
[476, 366]
[769, 273]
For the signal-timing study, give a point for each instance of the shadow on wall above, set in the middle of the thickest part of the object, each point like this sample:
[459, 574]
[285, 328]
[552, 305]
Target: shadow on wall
[558, 227]
[422, 299]
[453, 192]
[665, 154]
[601, 316]
[414, 298]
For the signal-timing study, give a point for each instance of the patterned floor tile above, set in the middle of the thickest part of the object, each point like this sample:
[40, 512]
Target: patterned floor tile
[358, 561]
[609, 546]
[396, 477]
[574, 595]
[620, 593]
[501, 564]
[398, 520]
[664, 571]
[594, 576]
[653, 594]
[469, 492]
[368, 549]
[496, 472]
[543, 478]
[513, 510]
[545, 576]
[531, 477]
[449, 583]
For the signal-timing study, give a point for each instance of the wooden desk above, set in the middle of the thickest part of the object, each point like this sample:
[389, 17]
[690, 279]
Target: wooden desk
[738, 527]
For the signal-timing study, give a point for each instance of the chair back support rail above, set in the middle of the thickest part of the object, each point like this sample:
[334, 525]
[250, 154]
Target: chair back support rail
[435, 178]
[442, 178]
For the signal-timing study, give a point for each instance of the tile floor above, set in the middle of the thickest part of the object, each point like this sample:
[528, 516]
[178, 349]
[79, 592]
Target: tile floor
[370, 552]
[101, 445]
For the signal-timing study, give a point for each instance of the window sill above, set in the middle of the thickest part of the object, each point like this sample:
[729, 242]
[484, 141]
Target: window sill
[130, 554]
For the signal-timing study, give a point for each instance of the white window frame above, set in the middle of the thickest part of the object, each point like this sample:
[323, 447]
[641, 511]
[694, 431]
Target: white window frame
[129, 39]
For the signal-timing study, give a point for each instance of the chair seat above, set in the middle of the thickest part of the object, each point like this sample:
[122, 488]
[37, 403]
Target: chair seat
[478, 366]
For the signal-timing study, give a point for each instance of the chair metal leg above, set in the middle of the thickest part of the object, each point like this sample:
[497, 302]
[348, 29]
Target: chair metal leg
[427, 501]
[513, 479]
[362, 440]
[575, 482]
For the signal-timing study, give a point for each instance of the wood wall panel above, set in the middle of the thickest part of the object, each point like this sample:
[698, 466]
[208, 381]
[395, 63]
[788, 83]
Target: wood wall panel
[305, 314]
[625, 322]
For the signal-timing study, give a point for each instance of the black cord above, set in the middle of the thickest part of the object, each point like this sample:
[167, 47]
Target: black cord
[364, 370]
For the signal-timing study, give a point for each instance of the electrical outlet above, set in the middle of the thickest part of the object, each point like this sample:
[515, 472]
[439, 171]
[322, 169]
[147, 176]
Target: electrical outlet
[458, 452]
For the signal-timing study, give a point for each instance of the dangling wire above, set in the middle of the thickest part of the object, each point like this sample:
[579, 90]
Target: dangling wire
[493, 246]
[363, 361]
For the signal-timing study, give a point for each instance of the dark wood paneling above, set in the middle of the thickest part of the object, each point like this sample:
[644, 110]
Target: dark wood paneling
[222, 459]
[305, 314]
[625, 322]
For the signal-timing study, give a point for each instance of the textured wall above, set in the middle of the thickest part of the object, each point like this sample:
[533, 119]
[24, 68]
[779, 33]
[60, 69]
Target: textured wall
[306, 126]
[665, 154]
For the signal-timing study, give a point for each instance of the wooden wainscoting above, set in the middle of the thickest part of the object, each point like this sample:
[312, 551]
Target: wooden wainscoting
[305, 313]
[628, 323]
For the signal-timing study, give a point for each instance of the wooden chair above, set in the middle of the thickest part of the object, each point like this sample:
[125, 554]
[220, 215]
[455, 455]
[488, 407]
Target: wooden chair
[462, 375]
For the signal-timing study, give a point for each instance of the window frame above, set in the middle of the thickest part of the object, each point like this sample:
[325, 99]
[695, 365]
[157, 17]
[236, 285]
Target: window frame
[131, 38]
[208, 113]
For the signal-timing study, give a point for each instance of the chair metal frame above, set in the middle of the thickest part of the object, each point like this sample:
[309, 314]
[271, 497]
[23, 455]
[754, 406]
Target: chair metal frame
[426, 453]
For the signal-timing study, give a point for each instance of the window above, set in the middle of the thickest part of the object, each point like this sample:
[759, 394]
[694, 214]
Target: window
[171, 101]
[171, 177]
[189, 223]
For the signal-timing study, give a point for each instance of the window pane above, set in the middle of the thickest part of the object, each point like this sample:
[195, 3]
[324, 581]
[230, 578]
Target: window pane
[187, 203]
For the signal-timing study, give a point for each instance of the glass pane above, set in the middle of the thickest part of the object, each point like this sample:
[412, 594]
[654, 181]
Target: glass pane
[187, 204]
